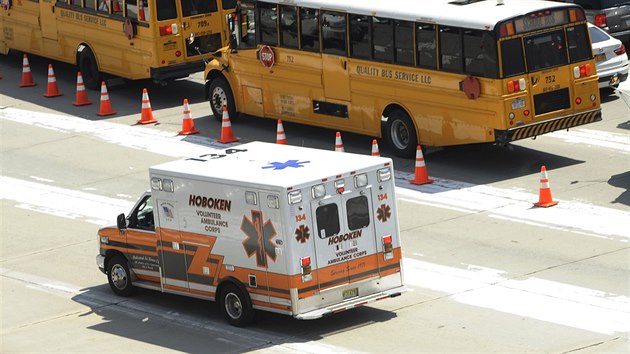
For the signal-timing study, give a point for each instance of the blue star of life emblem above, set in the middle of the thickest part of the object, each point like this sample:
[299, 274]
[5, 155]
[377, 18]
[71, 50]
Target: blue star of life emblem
[283, 165]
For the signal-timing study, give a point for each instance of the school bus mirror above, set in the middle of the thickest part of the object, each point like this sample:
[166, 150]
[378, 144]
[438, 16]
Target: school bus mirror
[121, 221]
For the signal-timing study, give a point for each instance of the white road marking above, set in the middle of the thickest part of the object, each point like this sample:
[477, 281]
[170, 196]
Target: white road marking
[536, 298]
[591, 137]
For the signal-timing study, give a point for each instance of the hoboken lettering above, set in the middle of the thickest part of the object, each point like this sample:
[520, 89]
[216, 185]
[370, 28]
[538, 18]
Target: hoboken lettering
[210, 203]
[345, 237]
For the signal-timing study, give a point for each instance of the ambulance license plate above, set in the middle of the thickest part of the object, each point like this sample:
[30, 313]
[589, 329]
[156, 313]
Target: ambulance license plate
[348, 293]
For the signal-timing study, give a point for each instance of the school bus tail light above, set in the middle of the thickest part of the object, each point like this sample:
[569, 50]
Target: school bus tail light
[516, 85]
[167, 30]
[305, 264]
[583, 70]
[388, 248]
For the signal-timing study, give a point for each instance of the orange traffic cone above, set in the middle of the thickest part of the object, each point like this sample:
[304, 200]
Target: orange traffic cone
[226, 129]
[27, 77]
[52, 90]
[81, 97]
[375, 151]
[106, 106]
[146, 116]
[544, 199]
[421, 176]
[281, 138]
[338, 143]
[188, 126]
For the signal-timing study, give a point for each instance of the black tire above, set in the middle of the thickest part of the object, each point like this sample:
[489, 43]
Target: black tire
[220, 93]
[88, 66]
[401, 134]
[236, 306]
[119, 276]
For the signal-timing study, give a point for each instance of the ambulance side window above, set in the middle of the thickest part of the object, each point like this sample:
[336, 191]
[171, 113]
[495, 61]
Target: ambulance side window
[358, 212]
[142, 217]
[327, 220]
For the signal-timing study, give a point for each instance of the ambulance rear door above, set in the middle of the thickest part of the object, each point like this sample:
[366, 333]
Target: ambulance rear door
[345, 244]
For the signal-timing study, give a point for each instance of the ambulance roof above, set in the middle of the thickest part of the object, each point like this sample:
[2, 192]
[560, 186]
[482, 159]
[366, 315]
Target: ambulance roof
[269, 165]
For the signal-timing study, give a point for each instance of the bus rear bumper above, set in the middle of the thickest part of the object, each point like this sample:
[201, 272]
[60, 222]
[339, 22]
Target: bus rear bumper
[533, 130]
[176, 71]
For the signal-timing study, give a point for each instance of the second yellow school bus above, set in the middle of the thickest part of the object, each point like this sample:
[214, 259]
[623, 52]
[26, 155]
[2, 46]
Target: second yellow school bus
[436, 73]
[133, 39]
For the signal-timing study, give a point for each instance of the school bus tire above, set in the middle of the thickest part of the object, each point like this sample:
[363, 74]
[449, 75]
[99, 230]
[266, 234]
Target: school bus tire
[219, 92]
[88, 66]
[401, 133]
[236, 305]
[118, 276]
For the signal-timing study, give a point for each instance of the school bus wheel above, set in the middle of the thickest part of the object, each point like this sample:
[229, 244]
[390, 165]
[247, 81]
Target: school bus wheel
[236, 306]
[219, 94]
[401, 133]
[89, 68]
[118, 276]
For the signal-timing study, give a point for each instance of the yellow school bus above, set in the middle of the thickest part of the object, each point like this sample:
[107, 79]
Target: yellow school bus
[133, 39]
[436, 73]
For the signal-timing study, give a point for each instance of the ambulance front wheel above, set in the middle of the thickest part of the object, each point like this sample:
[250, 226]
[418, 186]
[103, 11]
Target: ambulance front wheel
[119, 276]
[236, 306]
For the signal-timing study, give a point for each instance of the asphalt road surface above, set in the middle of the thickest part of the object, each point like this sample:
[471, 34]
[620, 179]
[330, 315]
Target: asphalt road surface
[485, 270]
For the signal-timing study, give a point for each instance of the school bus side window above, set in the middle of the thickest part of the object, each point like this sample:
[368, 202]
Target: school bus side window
[451, 56]
[90, 4]
[327, 220]
[426, 46]
[247, 30]
[480, 54]
[288, 26]
[512, 57]
[309, 29]
[131, 7]
[333, 26]
[360, 43]
[268, 23]
[383, 38]
[403, 38]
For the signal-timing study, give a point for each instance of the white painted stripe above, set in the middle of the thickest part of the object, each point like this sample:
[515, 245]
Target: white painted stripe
[536, 298]
[591, 137]
[516, 205]
[477, 286]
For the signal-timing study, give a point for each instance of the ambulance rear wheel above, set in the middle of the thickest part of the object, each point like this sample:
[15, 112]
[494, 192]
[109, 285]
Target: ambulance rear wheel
[236, 306]
[219, 94]
[119, 277]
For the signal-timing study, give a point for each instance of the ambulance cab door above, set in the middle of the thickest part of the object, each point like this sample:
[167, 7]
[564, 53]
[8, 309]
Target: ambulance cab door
[171, 247]
[361, 243]
[271, 248]
[330, 248]
[142, 240]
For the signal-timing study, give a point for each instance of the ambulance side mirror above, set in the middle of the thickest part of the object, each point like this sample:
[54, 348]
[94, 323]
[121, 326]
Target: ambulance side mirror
[121, 222]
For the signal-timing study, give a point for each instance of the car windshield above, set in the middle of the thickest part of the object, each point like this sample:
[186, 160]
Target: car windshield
[598, 35]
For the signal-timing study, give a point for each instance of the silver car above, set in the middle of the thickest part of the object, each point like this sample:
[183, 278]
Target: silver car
[610, 57]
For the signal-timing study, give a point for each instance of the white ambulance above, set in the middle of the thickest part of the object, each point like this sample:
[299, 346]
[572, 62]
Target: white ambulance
[292, 230]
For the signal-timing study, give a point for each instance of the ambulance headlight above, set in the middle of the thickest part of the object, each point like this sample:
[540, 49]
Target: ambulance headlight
[384, 174]
[318, 191]
[360, 180]
[295, 197]
[156, 184]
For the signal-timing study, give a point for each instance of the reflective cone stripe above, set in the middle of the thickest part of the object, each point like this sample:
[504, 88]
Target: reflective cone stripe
[375, 151]
[421, 175]
[106, 107]
[281, 138]
[188, 125]
[27, 76]
[81, 98]
[226, 128]
[339, 143]
[544, 199]
[146, 115]
[52, 90]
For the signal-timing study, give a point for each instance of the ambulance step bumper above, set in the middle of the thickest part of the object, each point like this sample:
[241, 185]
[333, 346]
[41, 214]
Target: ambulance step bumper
[100, 262]
[351, 303]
